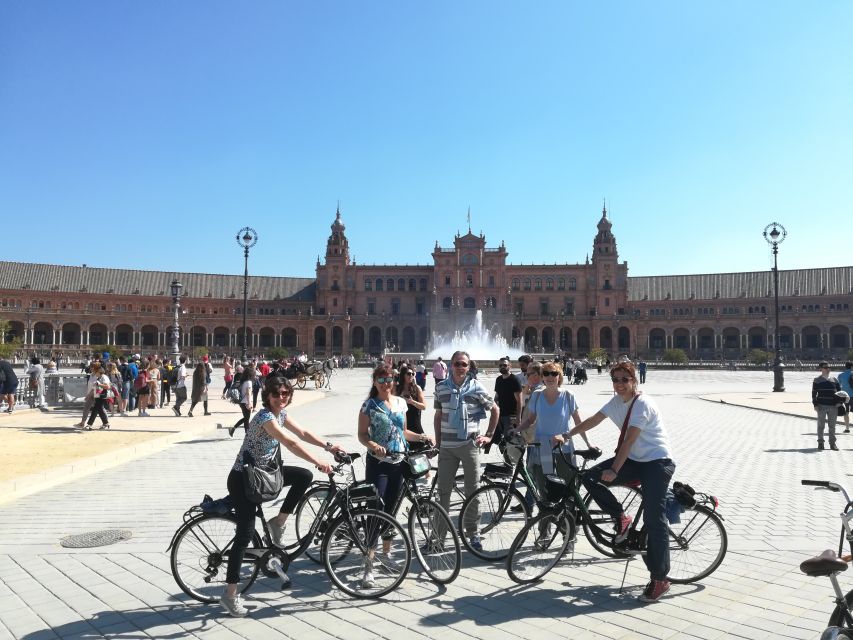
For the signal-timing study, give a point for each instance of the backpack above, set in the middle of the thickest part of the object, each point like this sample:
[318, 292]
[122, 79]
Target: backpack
[234, 395]
[173, 377]
[141, 380]
[34, 381]
[208, 370]
[126, 374]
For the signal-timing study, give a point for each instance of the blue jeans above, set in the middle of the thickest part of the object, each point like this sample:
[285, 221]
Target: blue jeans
[654, 477]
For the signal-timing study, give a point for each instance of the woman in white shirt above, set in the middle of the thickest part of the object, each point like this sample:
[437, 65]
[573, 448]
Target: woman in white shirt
[643, 454]
[99, 387]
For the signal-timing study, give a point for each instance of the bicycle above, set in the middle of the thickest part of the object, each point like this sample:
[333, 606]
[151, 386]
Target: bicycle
[697, 548]
[348, 523]
[829, 564]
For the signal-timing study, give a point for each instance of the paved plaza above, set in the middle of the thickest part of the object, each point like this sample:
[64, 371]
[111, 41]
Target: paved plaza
[752, 458]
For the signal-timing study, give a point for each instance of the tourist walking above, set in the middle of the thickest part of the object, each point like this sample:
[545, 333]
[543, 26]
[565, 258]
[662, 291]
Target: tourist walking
[262, 445]
[35, 372]
[642, 369]
[246, 405]
[228, 368]
[643, 454]
[165, 383]
[180, 385]
[153, 383]
[99, 388]
[462, 405]
[143, 391]
[199, 393]
[8, 384]
[439, 371]
[826, 402]
[420, 375]
[114, 375]
[844, 379]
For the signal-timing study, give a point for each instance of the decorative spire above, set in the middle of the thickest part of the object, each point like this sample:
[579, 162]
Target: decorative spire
[469, 218]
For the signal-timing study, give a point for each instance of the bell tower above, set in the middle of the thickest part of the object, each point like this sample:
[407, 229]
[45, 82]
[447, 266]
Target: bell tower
[337, 246]
[604, 245]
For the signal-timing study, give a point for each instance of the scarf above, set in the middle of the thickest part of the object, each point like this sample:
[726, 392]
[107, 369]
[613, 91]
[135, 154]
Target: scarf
[458, 416]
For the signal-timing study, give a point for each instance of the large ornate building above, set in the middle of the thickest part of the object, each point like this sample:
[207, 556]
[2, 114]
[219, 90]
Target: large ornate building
[348, 306]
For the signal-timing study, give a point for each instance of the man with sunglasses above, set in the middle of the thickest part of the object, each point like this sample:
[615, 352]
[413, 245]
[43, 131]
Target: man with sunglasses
[508, 395]
[461, 407]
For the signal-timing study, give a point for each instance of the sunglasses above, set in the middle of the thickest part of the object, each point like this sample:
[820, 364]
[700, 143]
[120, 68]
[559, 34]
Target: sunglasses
[623, 380]
[410, 373]
[384, 380]
[550, 374]
[461, 365]
[283, 394]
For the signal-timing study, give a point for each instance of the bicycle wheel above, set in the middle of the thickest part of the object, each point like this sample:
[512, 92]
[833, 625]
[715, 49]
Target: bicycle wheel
[840, 615]
[200, 557]
[352, 541]
[539, 546]
[435, 541]
[306, 512]
[697, 545]
[494, 515]
[598, 527]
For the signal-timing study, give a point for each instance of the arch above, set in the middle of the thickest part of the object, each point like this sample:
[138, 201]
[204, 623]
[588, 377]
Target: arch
[266, 337]
[337, 339]
[289, 338]
[531, 339]
[657, 339]
[516, 283]
[731, 338]
[358, 337]
[423, 338]
[374, 340]
[198, 336]
[220, 337]
[98, 333]
[605, 338]
[239, 337]
[757, 338]
[681, 338]
[408, 339]
[566, 338]
[319, 338]
[582, 336]
[839, 337]
[446, 302]
[548, 339]
[124, 335]
[811, 337]
[624, 339]
[705, 339]
[515, 333]
[70, 333]
[469, 303]
[573, 284]
[392, 338]
[148, 336]
[786, 338]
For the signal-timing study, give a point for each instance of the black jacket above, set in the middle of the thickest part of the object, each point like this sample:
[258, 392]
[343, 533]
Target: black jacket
[823, 391]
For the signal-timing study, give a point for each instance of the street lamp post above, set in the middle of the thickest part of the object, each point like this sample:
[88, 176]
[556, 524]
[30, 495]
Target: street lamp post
[246, 238]
[774, 234]
[176, 327]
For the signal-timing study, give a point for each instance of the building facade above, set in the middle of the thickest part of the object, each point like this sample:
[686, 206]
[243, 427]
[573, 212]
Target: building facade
[349, 306]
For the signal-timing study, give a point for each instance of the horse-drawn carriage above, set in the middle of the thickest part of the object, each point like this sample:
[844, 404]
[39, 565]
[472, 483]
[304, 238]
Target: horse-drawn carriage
[318, 371]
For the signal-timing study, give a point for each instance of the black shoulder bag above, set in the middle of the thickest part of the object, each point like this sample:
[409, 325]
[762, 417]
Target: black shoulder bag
[262, 483]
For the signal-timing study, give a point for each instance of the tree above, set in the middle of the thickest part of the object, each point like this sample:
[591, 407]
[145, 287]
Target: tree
[198, 352]
[675, 356]
[8, 349]
[358, 354]
[597, 355]
[277, 353]
[114, 351]
[758, 357]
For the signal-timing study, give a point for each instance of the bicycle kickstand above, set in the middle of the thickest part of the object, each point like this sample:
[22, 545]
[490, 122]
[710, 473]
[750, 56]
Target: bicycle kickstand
[625, 573]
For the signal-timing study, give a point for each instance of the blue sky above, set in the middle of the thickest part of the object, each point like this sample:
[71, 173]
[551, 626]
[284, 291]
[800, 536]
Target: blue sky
[145, 134]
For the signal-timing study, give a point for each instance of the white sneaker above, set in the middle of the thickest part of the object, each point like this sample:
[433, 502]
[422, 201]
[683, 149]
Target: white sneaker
[388, 563]
[276, 533]
[124, 414]
[367, 580]
[234, 606]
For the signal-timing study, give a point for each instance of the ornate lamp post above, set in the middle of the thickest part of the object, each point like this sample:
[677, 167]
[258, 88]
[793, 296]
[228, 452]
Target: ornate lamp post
[246, 238]
[176, 327]
[775, 234]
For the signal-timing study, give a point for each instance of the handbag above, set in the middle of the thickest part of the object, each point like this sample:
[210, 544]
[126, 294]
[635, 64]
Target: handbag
[262, 483]
[417, 466]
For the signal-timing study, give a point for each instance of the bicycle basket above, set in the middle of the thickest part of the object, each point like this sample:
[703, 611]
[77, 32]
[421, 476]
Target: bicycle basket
[555, 488]
[416, 466]
[363, 493]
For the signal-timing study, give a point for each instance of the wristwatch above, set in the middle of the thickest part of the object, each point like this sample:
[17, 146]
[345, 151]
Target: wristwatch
[328, 446]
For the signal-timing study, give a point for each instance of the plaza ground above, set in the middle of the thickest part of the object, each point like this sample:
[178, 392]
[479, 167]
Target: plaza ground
[751, 458]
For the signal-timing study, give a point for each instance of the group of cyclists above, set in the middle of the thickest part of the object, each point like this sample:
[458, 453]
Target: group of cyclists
[467, 418]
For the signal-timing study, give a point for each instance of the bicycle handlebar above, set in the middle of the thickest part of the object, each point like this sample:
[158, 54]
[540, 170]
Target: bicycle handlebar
[826, 484]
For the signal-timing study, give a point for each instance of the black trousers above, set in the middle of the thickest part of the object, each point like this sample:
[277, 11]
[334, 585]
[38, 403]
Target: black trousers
[98, 409]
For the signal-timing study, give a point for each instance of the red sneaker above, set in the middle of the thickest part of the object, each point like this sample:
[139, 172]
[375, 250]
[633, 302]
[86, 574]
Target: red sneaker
[622, 525]
[654, 590]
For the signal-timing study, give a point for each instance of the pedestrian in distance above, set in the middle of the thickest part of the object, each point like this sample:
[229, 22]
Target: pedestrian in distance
[844, 379]
[180, 385]
[199, 393]
[8, 384]
[246, 405]
[439, 371]
[35, 373]
[99, 388]
[826, 402]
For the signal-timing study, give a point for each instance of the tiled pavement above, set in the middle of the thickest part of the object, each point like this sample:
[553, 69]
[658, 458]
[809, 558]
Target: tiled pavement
[753, 460]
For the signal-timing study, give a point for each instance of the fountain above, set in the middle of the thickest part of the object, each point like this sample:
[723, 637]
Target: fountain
[482, 343]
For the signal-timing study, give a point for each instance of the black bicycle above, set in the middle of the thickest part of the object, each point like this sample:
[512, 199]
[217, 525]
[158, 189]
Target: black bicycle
[348, 522]
[697, 545]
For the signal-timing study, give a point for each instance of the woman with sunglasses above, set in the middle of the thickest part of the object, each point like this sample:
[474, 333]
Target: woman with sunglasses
[382, 429]
[643, 454]
[410, 391]
[549, 412]
[265, 433]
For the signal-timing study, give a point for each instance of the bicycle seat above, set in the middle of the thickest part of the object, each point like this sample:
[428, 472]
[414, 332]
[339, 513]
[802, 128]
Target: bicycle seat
[497, 469]
[825, 564]
[588, 454]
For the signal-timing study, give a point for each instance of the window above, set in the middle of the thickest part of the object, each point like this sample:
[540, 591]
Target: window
[368, 285]
[469, 258]
[371, 306]
[412, 284]
[607, 284]
[561, 284]
[389, 284]
[422, 283]
[573, 284]
[607, 302]
[527, 284]
[395, 306]
[419, 307]
[539, 284]
[516, 285]
[401, 285]
[491, 279]
[543, 306]
[447, 279]
[334, 302]
[549, 284]
[379, 284]
[469, 280]
[519, 307]
[447, 302]
[469, 303]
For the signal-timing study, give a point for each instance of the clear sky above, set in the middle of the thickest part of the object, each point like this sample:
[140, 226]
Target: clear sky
[145, 134]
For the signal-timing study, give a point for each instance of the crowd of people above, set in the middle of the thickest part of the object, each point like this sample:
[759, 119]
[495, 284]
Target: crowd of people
[469, 418]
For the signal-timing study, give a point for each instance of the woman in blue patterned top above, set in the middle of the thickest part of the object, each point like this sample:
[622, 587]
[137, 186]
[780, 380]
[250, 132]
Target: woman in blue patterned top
[382, 429]
[265, 433]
